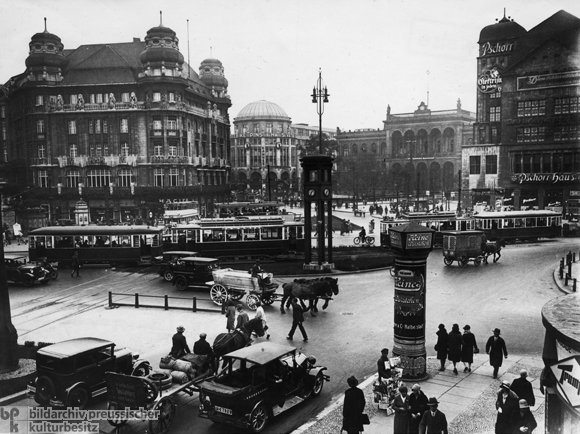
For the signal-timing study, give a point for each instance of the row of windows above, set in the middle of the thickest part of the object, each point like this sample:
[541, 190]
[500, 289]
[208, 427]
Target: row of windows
[538, 134]
[256, 128]
[490, 164]
[72, 126]
[102, 178]
[95, 150]
[545, 162]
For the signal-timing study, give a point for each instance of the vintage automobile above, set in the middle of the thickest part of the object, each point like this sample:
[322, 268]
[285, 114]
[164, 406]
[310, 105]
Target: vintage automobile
[18, 270]
[193, 272]
[70, 373]
[169, 257]
[259, 382]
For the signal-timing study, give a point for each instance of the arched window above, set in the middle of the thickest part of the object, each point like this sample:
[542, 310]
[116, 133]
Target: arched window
[374, 148]
[98, 178]
[354, 149]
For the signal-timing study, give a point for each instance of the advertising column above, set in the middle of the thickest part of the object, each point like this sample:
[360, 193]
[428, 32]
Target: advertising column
[411, 245]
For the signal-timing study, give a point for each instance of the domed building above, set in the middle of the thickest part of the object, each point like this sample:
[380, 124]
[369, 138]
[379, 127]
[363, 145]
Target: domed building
[264, 139]
[125, 126]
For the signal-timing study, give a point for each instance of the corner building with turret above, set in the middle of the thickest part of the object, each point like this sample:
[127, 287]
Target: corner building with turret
[125, 127]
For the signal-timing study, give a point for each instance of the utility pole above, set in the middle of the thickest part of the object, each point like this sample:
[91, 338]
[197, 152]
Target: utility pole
[459, 188]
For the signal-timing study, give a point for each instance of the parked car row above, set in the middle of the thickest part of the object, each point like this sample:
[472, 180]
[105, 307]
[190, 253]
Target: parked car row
[19, 270]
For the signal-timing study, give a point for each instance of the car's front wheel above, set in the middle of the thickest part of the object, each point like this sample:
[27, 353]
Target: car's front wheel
[78, 397]
[318, 383]
[168, 275]
[181, 284]
[44, 390]
[259, 418]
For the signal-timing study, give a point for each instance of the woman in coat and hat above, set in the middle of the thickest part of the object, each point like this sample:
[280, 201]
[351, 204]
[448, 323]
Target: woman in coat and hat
[468, 347]
[354, 405]
[455, 343]
[402, 410]
[524, 421]
[496, 349]
[507, 407]
[441, 345]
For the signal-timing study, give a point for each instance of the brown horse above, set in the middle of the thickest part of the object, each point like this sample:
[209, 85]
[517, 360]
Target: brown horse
[493, 249]
[225, 343]
[311, 290]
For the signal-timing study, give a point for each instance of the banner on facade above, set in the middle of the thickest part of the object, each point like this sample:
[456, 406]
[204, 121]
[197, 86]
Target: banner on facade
[551, 178]
[544, 81]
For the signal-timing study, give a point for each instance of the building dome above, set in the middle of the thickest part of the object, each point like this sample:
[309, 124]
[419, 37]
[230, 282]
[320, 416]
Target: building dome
[262, 109]
[211, 73]
[501, 31]
[46, 50]
[161, 45]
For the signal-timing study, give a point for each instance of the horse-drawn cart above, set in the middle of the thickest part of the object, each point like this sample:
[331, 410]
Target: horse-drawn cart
[141, 394]
[463, 247]
[234, 284]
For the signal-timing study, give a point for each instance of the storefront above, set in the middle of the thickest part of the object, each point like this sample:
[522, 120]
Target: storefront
[561, 354]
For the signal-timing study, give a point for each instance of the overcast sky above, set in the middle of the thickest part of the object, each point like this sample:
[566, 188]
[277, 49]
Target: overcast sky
[372, 53]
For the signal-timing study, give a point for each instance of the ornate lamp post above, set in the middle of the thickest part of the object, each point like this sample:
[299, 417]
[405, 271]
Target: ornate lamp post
[319, 97]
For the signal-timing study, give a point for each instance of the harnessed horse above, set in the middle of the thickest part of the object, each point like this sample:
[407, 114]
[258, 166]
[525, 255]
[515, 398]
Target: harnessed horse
[493, 249]
[310, 290]
[225, 343]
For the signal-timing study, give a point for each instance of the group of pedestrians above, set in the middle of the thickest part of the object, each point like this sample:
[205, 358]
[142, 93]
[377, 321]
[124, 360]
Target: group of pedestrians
[513, 406]
[456, 347]
[345, 227]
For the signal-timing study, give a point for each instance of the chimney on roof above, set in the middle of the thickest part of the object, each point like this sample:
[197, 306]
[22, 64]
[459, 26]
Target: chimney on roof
[136, 40]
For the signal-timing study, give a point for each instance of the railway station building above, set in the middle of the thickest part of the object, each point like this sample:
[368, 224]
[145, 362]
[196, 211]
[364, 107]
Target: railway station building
[526, 148]
[123, 126]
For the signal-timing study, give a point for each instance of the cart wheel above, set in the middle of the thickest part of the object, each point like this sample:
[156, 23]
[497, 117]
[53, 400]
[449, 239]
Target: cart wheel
[218, 294]
[251, 301]
[166, 408]
[115, 422]
[463, 261]
[477, 261]
[181, 284]
[447, 261]
[370, 240]
[152, 390]
[268, 299]
[54, 274]
[168, 275]
[259, 418]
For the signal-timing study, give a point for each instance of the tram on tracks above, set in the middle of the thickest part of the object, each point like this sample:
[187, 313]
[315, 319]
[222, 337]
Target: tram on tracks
[238, 209]
[249, 238]
[514, 226]
[440, 221]
[96, 244]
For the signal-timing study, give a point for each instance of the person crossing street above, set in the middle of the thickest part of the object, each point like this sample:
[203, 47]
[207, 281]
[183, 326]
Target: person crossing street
[297, 320]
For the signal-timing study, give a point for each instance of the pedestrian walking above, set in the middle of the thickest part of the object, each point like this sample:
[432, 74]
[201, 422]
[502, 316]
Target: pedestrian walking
[441, 345]
[76, 264]
[230, 315]
[507, 407]
[523, 388]
[454, 351]
[468, 348]
[524, 421]
[349, 225]
[242, 316]
[179, 344]
[260, 314]
[496, 349]
[418, 406]
[297, 320]
[402, 411]
[372, 226]
[434, 420]
[354, 405]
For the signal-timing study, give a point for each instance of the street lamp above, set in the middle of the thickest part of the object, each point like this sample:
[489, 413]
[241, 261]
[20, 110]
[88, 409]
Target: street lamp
[319, 97]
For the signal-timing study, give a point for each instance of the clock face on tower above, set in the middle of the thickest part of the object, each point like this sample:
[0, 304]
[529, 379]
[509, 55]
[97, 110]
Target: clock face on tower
[326, 192]
[311, 192]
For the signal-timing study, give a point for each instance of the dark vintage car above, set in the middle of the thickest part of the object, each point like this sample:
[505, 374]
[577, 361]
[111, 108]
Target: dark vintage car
[259, 382]
[18, 270]
[169, 257]
[193, 272]
[71, 372]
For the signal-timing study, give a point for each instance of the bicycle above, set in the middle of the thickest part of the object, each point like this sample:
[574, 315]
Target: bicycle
[369, 241]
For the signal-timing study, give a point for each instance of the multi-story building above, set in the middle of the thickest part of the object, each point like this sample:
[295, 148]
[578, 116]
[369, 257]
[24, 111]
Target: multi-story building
[266, 139]
[420, 151]
[526, 150]
[122, 126]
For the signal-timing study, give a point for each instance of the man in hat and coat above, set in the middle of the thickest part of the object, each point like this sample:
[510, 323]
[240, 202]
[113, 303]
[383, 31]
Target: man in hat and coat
[524, 421]
[507, 407]
[354, 405]
[179, 347]
[496, 349]
[523, 388]
[433, 421]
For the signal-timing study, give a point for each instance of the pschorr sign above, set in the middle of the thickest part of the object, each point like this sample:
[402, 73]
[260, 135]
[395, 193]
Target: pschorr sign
[567, 374]
[551, 178]
[489, 81]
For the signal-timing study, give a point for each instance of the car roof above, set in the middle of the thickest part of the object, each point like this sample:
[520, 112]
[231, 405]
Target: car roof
[180, 252]
[15, 256]
[72, 347]
[461, 232]
[261, 353]
[199, 259]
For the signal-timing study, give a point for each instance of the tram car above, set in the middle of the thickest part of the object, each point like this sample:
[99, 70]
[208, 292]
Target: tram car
[514, 226]
[96, 244]
[256, 237]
